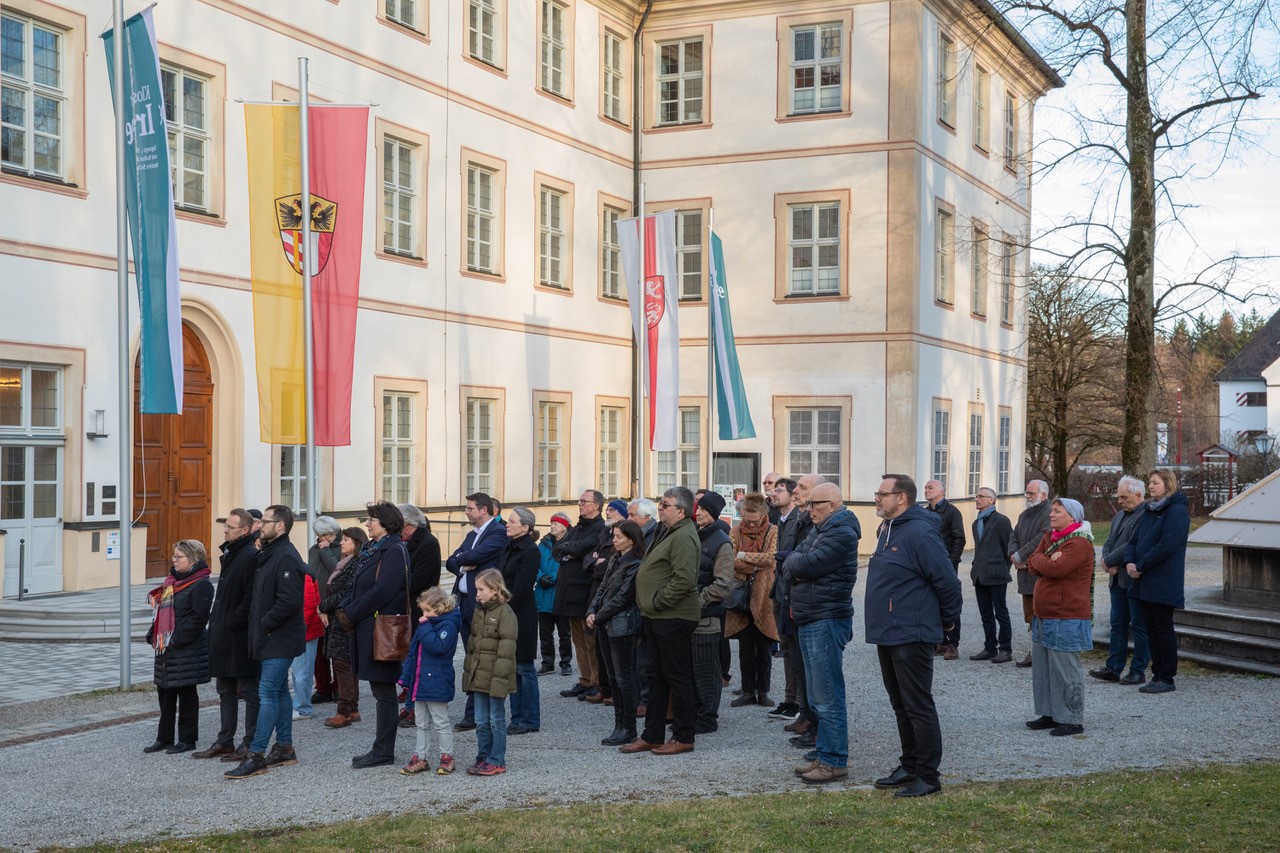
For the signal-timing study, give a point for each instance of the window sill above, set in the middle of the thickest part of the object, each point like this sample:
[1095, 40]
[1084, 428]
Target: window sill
[562, 100]
[981, 318]
[801, 117]
[613, 122]
[675, 128]
[691, 301]
[613, 300]
[396, 257]
[496, 278]
[944, 304]
[798, 298]
[53, 185]
[487, 66]
[405, 29]
[947, 126]
[553, 288]
[199, 216]
[985, 154]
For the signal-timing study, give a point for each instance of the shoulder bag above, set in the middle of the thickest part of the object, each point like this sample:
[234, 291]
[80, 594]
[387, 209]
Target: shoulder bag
[391, 633]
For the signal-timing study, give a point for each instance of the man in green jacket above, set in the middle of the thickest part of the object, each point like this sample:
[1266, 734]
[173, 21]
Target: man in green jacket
[667, 594]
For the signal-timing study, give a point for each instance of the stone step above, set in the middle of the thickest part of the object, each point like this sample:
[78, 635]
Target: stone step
[1211, 659]
[1231, 619]
[1229, 644]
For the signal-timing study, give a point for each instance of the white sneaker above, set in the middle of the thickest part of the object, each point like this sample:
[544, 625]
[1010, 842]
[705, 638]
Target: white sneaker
[298, 715]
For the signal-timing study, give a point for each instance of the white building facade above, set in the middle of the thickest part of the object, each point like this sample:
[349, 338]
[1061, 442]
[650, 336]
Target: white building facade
[867, 165]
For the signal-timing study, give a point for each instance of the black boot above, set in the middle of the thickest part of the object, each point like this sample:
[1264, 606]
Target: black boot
[619, 737]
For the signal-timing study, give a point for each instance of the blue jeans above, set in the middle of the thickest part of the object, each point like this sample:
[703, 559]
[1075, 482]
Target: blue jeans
[1126, 621]
[491, 729]
[304, 675]
[822, 647]
[275, 708]
[526, 706]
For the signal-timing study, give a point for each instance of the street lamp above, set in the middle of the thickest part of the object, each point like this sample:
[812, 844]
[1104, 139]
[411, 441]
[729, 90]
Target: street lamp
[1264, 441]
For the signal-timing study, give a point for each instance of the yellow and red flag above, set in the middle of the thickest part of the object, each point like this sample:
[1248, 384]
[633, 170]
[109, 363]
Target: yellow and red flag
[337, 149]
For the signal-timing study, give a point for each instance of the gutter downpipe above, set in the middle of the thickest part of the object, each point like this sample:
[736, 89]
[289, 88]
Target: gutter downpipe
[637, 391]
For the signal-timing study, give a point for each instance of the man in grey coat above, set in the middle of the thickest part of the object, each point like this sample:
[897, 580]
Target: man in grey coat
[1027, 533]
[1126, 615]
[990, 576]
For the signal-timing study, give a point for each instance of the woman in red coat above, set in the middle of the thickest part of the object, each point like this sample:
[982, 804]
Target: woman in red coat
[304, 665]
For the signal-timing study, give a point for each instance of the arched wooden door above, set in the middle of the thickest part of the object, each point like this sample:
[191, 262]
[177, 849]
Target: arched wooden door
[173, 462]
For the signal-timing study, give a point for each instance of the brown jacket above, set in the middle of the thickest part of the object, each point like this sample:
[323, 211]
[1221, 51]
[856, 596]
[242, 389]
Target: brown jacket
[760, 564]
[1065, 576]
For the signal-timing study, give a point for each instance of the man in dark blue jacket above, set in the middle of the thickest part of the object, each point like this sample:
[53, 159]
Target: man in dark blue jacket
[913, 596]
[820, 573]
[479, 550]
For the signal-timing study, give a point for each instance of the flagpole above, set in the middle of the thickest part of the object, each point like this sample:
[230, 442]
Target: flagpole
[643, 360]
[124, 501]
[711, 360]
[308, 336]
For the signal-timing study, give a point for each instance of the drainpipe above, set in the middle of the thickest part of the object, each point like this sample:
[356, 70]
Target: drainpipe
[637, 392]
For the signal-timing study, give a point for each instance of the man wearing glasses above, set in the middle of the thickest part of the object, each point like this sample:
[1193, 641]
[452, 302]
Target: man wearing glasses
[767, 486]
[480, 549]
[913, 595]
[573, 589]
[1029, 529]
[820, 574]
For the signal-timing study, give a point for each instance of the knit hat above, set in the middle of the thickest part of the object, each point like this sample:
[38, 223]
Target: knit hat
[619, 506]
[256, 513]
[562, 518]
[713, 503]
[1073, 507]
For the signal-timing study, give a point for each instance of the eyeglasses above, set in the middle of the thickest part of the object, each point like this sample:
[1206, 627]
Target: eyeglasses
[232, 526]
[585, 501]
[266, 520]
[665, 505]
[880, 495]
[812, 504]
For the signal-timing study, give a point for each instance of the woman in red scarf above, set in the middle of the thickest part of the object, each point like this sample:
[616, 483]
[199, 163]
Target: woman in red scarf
[181, 606]
[754, 541]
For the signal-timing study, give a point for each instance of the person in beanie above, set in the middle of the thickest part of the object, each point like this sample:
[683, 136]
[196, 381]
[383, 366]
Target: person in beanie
[1061, 627]
[544, 596]
[715, 579]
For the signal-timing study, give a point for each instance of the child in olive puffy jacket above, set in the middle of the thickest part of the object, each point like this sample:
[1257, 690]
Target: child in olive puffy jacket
[490, 671]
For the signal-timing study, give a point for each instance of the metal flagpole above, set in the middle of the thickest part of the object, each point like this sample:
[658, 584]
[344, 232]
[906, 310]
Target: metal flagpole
[124, 497]
[308, 346]
[643, 362]
[711, 362]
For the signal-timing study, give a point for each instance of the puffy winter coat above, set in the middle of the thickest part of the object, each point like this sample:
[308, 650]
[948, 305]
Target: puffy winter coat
[544, 587]
[276, 626]
[490, 665]
[822, 570]
[1159, 550]
[229, 619]
[428, 670]
[912, 588]
[311, 608]
[186, 659]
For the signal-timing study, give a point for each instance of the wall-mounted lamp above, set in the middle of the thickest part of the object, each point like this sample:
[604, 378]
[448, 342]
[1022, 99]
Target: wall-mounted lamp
[99, 422]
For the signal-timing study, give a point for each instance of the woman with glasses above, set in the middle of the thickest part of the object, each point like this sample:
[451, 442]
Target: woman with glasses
[178, 634]
[754, 543]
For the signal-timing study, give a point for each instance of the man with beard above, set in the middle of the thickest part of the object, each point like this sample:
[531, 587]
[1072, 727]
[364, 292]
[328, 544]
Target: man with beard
[1032, 524]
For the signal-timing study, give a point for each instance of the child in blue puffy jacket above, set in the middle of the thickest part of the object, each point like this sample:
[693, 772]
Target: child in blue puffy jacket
[428, 676]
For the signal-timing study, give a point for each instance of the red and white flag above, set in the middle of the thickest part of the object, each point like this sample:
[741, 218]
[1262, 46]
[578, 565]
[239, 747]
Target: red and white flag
[654, 317]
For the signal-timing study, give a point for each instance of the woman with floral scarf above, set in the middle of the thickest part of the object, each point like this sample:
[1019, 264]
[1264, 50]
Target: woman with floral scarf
[178, 634]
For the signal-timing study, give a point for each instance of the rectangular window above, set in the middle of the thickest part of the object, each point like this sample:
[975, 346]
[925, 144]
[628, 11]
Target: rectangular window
[981, 111]
[1252, 398]
[32, 97]
[978, 272]
[813, 244]
[30, 399]
[481, 445]
[941, 441]
[484, 31]
[397, 447]
[610, 253]
[188, 128]
[1010, 132]
[1004, 455]
[611, 65]
[548, 462]
[293, 476]
[682, 466]
[817, 60]
[975, 452]
[947, 79]
[1006, 284]
[402, 12]
[482, 214]
[813, 443]
[399, 197]
[944, 257]
[551, 237]
[680, 82]
[554, 51]
[689, 252]
[611, 450]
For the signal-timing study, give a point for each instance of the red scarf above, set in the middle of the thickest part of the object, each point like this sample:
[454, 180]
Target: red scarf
[161, 597]
[1057, 535]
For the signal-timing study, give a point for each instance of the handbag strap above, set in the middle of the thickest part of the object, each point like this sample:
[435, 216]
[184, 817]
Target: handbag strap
[408, 608]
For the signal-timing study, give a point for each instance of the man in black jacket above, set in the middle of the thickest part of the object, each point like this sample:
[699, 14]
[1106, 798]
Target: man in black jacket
[990, 575]
[793, 526]
[234, 670]
[277, 635]
[952, 531]
[573, 588]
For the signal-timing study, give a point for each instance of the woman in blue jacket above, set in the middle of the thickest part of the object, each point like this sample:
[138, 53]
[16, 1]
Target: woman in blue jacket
[429, 678]
[1156, 560]
[544, 596]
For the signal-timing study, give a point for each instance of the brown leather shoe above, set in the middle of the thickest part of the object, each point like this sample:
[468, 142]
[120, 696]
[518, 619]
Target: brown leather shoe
[807, 767]
[237, 755]
[214, 751]
[799, 726]
[354, 716]
[951, 653]
[823, 774]
[1025, 662]
[673, 747]
[338, 721]
[594, 698]
[637, 745]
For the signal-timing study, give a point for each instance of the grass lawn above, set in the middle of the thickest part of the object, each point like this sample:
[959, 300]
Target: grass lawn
[1219, 807]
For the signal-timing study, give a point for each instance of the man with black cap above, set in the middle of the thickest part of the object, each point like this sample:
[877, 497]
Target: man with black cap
[715, 579]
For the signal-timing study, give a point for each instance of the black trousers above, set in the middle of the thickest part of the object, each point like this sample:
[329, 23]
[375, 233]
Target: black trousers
[726, 653]
[230, 692]
[708, 679]
[620, 664]
[997, 630]
[388, 711]
[184, 704]
[952, 637]
[602, 663]
[907, 671]
[1163, 640]
[548, 625]
[670, 648]
[755, 660]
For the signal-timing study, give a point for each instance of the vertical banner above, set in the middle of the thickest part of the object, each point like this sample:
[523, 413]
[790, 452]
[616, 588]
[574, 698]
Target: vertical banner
[152, 225]
[731, 394]
[654, 315]
[337, 150]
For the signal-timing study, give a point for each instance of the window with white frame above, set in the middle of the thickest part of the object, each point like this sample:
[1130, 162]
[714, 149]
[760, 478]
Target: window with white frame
[817, 63]
[293, 476]
[941, 442]
[689, 252]
[397, 446]
[554, 50]
[551, 237]
[548, 458]
[610, 253]
[813, 443]
[981, 107]
[680, 82]
[31, 426]
[482, 216]
[975, 452]
[1004, 453]
[188, 127]
[399, 196]
[944, 257]
[947, 79]
[1010, 131]
[33, 98]
[1006, 283]
[402, 12]
[813, 243]
[482, 442]
[611, 82]
[978, 272]
[484, 31]
[682, 466]
[30, 399]
[610, 421]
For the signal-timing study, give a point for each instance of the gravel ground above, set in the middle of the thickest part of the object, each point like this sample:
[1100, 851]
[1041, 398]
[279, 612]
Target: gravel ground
[1212, 717]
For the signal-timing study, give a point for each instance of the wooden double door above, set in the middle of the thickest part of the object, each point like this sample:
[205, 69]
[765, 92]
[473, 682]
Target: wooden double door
[173, 463]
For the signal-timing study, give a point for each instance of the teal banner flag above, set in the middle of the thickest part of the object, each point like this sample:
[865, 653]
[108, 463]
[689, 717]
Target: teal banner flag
[152, 225]
[731, 395]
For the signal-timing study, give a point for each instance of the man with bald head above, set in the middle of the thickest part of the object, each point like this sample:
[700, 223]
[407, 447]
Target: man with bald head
[820, 573]
[951, 528]
[1030, 528]
[794, 525]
